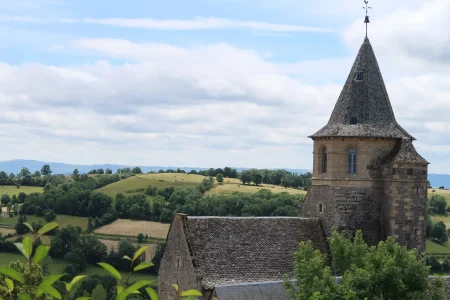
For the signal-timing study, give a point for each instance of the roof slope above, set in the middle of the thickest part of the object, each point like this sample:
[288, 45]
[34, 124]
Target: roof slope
[367, 100]
[271, 290]
[405, 152]
[249, 249]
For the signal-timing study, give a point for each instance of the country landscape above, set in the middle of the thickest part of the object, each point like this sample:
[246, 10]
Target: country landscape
[224, 150]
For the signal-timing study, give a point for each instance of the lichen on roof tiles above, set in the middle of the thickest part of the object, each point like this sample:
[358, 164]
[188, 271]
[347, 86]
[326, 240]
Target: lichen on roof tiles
[366, 100]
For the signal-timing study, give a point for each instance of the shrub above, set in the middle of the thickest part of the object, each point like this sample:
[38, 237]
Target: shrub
[140, 238]
[49, 216]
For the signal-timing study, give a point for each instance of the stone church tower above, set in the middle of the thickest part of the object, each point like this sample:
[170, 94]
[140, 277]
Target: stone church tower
[366, 172]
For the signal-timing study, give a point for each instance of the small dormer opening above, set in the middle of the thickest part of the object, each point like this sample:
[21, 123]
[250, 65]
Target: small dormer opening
[359, 76]
[353, 120]
[409, 171]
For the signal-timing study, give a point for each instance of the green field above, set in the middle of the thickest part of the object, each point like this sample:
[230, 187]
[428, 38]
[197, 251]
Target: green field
[56, 266]
[12, 190]
[433, 247]
[139, 183]
[62, 220]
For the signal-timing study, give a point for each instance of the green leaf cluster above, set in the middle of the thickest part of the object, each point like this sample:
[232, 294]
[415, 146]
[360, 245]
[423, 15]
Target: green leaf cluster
[385, 271]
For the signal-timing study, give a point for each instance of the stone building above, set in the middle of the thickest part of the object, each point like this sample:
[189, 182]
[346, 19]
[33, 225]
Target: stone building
[229, 256]
[366, 175]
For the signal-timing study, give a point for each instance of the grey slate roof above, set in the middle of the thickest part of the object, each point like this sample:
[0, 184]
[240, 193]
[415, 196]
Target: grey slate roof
[367, 100]
[404, 152]
[271, 290]
[249, 249]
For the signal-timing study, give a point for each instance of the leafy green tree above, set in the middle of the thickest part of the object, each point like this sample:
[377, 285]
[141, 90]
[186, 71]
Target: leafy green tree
[99, 293]
[439, 233]
[246, 176]
[49, 216]
[437, 204]
[76, 174]
[136, 170]
[45, 170]
[64, 241]
[367, 272]
[76, 257]
[108, 171]
[140, 238]
[94, 250]
[219, 178]
[5, 199]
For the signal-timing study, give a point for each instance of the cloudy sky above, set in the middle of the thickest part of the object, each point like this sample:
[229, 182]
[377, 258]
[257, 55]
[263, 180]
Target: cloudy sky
[209, 83]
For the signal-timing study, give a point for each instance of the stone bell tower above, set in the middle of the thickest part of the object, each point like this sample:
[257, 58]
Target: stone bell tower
[366, 173]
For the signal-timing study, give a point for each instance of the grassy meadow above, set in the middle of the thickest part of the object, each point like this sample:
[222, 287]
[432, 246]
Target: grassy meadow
[62, 220]
[12, 190]
[139, 183]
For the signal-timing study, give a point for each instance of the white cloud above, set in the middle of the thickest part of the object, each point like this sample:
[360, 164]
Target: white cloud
[199, 23]
[216, 104]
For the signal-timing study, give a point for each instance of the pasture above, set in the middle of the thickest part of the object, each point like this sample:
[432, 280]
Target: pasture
[12, 190]
[433, 247]
[139, 183]
[131, 228]
[62, 220]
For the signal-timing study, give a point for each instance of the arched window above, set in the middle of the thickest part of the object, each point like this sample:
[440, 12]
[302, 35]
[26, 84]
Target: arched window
[351, 161]
[324, 160]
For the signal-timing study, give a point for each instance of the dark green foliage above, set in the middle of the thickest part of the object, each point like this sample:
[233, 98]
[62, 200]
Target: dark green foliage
[63, 242]
[45, 170]
[367, 272]
[246, 177]
[115, 257]
[49, 216]
[219, 178]
[140, 238]
[429, 227]
[77, 258]
[438, 233]
[156, 260]
[434, 263]
[94, 250]
[437, 204]
[20, 227]
[89, 284]
[5, 199]
[446, 264]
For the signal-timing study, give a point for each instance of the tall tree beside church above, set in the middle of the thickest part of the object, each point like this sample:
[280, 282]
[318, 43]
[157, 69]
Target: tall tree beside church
[45, 170]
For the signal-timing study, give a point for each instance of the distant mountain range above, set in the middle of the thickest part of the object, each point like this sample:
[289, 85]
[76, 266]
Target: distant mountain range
[15, 166]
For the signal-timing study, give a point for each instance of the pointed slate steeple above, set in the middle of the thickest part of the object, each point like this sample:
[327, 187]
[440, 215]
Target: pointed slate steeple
[363, 108]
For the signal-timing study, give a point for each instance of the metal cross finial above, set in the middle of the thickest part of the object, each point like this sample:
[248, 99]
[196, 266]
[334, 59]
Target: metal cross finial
[367, 7]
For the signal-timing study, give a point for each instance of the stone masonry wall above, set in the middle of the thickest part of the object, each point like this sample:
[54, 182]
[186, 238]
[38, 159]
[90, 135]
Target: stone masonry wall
[350, 208]
[176, 265]
[405, 205]
[369, 152]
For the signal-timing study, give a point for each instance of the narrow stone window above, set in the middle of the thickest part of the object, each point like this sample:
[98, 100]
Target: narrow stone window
[320, 207]
[415, 231]
[409, 171]
[324, 160]
[359, 76]
[353, 120]
[424, 172]
[394, 171]
[351, 161]
[407, 236]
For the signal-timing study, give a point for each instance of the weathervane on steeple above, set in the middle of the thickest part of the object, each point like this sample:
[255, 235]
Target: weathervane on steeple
[367, 7]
